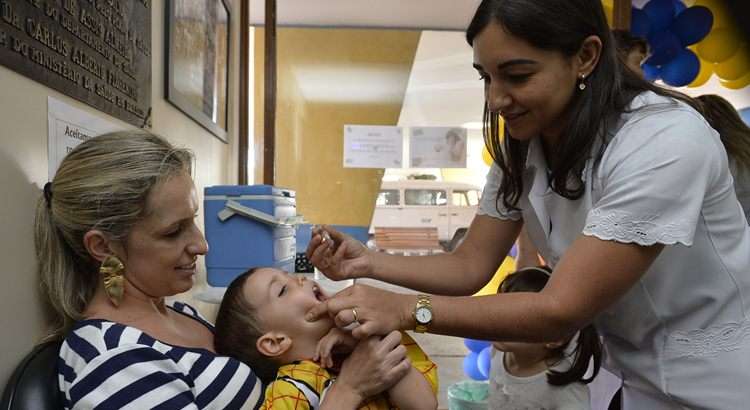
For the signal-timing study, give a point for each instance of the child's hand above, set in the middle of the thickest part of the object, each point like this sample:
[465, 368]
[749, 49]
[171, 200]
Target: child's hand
[337, 339]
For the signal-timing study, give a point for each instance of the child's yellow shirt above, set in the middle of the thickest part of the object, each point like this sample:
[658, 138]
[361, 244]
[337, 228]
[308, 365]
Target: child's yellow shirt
[301, 385]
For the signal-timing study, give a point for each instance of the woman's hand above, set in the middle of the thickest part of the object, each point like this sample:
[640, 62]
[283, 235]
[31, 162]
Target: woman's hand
[335, 341]
[377, 311]
[337, 255]
[375, 365]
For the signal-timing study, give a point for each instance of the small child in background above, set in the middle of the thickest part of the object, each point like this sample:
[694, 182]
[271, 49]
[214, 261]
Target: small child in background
[261, 322]
[542, 375]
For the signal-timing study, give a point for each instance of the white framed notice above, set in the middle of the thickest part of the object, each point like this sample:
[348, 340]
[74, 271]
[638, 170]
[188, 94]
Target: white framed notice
[437, 147]
[371, 146]
[69, 126]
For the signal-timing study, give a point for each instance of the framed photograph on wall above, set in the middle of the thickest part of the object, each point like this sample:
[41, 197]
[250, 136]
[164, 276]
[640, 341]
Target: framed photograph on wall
[197, 69]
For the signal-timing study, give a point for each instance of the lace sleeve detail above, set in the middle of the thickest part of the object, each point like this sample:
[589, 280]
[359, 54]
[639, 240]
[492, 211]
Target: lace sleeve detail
[655, 178]
[642, 230]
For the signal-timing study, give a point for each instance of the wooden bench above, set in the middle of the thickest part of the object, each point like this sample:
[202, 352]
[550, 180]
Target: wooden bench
[407, 240]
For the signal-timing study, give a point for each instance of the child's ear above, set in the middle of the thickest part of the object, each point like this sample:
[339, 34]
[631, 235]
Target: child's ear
[273, 344]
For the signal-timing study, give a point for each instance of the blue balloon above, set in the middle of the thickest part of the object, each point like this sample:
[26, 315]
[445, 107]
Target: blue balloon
[484, 361]
[679, 6]
[682, 70]
[692, 25]
[651, 72]
[470, 367]
[660, 13]
[476, 346]
[640, 25]
[664, 47]
[513, 251]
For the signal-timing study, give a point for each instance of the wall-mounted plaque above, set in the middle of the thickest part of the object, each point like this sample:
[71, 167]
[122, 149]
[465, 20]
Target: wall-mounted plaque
[97, 51]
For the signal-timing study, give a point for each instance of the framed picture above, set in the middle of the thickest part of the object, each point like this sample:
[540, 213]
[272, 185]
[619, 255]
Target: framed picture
[197, 70]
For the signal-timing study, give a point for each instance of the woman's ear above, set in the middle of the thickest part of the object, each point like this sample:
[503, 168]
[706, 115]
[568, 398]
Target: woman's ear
[588, 55]
[97, 244]
[273, 344]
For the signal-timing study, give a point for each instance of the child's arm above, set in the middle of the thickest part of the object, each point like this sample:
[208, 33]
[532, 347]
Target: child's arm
[413, 392]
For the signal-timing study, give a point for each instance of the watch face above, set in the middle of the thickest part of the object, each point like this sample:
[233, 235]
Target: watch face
[423, 315]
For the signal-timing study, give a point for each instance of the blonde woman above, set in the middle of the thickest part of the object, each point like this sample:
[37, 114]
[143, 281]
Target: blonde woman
[116, 235]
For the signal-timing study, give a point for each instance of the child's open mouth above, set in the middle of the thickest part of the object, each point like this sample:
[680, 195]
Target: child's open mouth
[318, 293]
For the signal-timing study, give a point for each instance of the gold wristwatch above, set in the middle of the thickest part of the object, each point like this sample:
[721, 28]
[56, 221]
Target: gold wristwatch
[422, 313]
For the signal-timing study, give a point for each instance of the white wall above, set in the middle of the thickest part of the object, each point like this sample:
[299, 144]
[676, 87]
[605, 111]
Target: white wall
[23, 170]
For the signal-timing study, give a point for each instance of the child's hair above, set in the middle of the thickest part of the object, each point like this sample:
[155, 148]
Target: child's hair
[588, 346]
[625, 42]
[734, 133]
[238, 330]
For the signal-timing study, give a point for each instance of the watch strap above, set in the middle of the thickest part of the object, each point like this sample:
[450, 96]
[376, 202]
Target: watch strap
[423, 302]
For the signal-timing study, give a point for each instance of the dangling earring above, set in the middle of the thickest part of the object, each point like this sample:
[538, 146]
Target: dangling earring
[114, 281]
[582, 85]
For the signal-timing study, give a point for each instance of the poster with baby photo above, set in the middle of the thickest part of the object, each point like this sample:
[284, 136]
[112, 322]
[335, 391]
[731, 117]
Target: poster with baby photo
[437, 147]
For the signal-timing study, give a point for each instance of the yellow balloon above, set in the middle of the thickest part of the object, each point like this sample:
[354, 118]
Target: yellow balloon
[486, 157]
[609, 14]
[703, 75]
[719, 10]
[608, 3]
[501, 127]
[737, 84]
[719, 45]
[508, 266]
[736, 66]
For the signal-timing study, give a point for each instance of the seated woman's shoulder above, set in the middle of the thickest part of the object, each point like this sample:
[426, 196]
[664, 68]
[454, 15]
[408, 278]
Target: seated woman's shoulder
[100, 355]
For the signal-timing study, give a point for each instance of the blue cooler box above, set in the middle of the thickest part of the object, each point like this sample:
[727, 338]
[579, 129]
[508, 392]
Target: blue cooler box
[248, 226]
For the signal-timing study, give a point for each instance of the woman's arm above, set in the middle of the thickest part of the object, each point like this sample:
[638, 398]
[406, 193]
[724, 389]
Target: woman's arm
[590, 277]
[461, 272]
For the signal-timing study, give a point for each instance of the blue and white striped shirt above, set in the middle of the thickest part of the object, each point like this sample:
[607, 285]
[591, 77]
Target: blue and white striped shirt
[108, 365]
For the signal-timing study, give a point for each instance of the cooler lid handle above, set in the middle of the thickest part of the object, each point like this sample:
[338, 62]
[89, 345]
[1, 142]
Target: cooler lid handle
[233, 207]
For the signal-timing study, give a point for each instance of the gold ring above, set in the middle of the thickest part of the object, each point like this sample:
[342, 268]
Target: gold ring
[354, 312]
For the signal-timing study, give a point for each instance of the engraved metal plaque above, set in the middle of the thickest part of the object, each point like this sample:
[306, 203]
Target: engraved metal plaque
[97, 51]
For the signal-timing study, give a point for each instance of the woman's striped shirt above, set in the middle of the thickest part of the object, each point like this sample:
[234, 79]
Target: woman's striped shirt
[108, 365]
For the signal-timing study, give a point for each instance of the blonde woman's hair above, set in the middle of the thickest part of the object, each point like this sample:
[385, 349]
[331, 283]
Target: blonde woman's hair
[101, 184]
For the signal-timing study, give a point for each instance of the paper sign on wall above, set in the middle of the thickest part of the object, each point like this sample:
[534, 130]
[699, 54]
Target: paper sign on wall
[369, 146]
[70, 126]
[437, 147]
